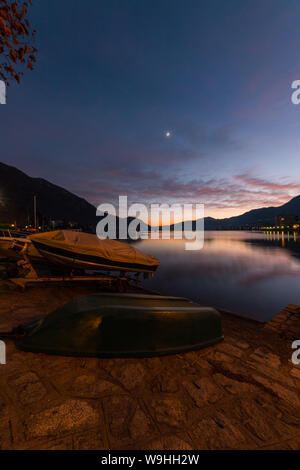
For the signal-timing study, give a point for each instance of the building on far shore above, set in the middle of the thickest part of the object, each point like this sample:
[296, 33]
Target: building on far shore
[282, 223]
[285, 221]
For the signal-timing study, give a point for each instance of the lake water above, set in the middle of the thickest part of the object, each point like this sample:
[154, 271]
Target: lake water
[250, 274]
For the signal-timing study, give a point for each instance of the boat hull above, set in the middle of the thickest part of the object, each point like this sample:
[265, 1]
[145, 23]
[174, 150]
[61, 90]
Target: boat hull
[86, 251]
[124, 325]
[96, 263]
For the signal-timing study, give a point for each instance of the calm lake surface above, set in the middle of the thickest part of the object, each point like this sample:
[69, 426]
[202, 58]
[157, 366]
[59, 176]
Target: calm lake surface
[250, 274]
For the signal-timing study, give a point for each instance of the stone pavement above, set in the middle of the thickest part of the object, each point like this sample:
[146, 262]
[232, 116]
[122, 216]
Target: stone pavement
[240, 394]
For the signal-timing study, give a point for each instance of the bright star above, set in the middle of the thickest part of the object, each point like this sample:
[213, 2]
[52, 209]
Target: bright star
[168, 134]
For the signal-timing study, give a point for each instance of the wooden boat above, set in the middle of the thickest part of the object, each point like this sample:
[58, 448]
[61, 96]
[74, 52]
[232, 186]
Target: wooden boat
[123, 325]
[78, 250]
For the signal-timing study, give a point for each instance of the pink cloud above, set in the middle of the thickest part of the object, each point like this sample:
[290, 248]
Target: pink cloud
[220, 196]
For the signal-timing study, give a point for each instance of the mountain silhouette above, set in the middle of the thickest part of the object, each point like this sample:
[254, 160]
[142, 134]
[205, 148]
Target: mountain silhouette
[265, 215]
[17, 191]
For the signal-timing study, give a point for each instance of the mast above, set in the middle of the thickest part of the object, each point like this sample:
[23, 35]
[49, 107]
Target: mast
[34, 211]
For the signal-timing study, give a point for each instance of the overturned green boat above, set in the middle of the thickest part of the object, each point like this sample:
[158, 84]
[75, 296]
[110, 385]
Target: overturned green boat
[123, 325]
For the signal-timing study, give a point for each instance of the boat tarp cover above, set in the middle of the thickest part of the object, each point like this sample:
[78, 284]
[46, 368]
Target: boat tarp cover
[123, 325]
[89, 244]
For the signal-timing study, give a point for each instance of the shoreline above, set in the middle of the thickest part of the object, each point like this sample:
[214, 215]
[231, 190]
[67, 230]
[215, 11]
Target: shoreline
[242, 393]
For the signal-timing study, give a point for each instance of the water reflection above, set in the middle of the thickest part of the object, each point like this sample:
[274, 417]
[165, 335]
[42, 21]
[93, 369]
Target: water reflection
[251, 274]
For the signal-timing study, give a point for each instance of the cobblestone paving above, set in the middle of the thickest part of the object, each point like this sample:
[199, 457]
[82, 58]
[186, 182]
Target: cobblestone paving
[240, 394]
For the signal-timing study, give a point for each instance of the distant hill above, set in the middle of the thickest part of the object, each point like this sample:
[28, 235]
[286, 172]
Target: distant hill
[265, 215]
[17, 191]
[53, 202]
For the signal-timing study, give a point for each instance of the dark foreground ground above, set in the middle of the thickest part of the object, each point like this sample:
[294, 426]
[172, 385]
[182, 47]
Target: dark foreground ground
[240, 394]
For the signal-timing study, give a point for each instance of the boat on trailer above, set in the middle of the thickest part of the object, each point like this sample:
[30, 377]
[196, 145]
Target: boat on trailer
[79, 250]
[122, 325]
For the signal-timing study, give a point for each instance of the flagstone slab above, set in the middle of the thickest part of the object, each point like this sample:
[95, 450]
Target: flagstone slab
[243, 393]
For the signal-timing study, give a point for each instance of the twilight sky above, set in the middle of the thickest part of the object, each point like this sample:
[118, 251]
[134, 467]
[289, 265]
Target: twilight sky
[114, 76]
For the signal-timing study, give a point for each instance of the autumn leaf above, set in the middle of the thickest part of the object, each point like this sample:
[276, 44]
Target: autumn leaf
[16, 39]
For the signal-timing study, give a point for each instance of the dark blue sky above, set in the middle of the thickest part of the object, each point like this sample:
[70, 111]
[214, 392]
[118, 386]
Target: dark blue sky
[113, 76]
